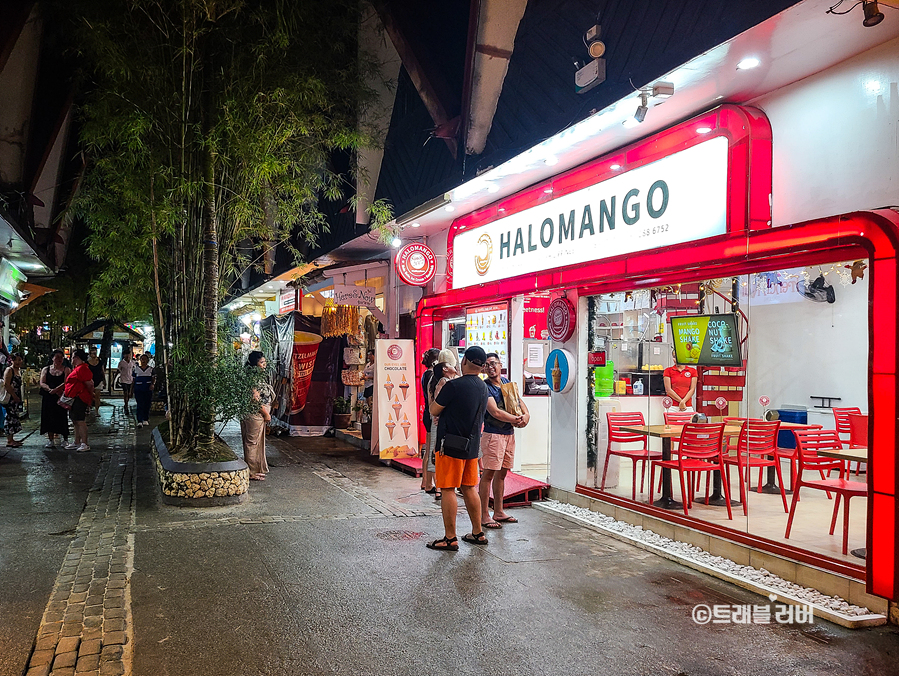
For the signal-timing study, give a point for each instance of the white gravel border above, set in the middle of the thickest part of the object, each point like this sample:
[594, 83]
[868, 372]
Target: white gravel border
[833, 608]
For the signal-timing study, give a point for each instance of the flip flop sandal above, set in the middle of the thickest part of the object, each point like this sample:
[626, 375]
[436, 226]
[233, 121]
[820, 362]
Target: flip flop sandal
[438, 495]
[492, 524]
[476, 538]
[430, 492]
[507, 519]
[445, 544]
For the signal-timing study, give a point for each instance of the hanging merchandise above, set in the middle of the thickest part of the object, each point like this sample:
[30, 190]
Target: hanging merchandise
[352, 356]
[329, 320]
[371, 332]
[352, 377]
[339, 320]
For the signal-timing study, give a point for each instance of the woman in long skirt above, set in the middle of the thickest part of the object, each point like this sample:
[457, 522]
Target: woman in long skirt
[252, 427]
[54, 418]
[12, 383]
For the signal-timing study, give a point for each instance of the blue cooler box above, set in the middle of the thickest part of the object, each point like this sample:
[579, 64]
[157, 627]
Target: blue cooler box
[785, 438]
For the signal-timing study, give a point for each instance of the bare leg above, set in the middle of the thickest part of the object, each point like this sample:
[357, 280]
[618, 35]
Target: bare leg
[484, 494]
[499, 485]
[448, 507]
[473, 505]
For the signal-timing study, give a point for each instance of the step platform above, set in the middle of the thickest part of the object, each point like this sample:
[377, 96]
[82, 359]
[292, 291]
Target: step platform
[519, 490]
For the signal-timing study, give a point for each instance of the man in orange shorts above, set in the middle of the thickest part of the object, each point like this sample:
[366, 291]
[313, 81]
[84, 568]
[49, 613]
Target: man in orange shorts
[461, 405]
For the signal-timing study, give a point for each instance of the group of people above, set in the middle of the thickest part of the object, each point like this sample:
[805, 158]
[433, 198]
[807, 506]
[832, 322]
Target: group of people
[70, 390]
[471, 442]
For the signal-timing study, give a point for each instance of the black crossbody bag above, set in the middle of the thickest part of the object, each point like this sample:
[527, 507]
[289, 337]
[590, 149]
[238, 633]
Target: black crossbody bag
[456, 446]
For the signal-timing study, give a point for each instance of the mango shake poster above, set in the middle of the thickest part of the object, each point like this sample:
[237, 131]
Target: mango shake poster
[706, 340]
[395, 400]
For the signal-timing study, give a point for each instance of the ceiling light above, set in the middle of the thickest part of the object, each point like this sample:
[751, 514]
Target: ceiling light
[873, 15]
[548, 191]
[747, 63]
[630, 122]
[595, 47]
[493, 187]
[257, 317]
[615, 167]
[551, 160]
[501, 209]
[396, 242]
[703, 130]
[449, 208]
[872, 86]
[415, 225]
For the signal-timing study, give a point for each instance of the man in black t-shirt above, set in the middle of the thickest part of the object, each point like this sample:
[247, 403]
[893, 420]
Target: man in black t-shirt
[461, 405]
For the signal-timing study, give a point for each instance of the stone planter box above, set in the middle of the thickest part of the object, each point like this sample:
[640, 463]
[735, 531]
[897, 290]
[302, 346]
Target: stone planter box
[195, 484]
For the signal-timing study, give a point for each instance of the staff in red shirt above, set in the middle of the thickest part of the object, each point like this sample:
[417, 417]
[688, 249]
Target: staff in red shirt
[680, 384]
[80, 386]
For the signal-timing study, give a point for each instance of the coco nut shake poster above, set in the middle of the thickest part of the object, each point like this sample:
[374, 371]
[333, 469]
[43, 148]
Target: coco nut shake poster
[395, 399]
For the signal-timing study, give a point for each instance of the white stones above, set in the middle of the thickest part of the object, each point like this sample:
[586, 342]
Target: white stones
[693, 553]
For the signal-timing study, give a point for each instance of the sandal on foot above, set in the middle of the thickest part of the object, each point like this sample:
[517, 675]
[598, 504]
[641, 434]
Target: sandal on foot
[475, 538]
[491, 524]
[430, 492]
[257, 477]
[438, 494]
[506, 519]
[445, 544]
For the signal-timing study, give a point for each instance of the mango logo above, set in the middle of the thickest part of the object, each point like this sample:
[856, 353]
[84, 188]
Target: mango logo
[482, 262]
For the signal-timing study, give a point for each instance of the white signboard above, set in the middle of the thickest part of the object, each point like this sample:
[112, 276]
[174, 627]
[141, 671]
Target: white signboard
[680, 198]
[395, 396]
[364, 296]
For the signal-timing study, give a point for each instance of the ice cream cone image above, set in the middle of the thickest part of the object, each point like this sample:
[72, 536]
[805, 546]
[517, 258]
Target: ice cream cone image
[389, 387]
[390, 426]
[404, 387]
[397, 407]
[405, 425]
[557, 376]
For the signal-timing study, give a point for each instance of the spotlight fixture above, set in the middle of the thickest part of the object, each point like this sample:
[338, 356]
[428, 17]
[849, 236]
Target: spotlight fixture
[703, 130]
[415, 225]
[642, 109]
[748, 63]
[396, 242]
[873, 15]
[663, 90]
[615, 167]
[595, 47]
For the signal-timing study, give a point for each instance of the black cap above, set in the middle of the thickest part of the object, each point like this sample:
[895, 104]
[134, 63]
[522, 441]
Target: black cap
[476, 355]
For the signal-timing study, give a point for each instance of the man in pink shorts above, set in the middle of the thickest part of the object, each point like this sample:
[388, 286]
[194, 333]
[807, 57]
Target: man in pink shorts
[497, 445]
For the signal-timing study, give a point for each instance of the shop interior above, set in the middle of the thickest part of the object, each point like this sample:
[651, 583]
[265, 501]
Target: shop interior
[801, 362]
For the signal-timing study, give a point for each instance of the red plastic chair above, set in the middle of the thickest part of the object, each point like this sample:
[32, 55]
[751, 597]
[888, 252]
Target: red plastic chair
[858, 434]
[616, 421]
[808, 443]
[792, 454]
[699, 451]
[756, 447]
[678, 417]
[844, 430]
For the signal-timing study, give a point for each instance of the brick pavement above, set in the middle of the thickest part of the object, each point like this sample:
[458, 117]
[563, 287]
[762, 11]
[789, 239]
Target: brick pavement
[86, 627]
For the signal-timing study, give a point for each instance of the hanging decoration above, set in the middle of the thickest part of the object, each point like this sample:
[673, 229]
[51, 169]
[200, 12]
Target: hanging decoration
[857, 270]
[339, 320]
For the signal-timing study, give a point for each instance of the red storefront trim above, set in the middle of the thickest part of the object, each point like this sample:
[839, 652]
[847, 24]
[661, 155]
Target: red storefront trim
[749, 245]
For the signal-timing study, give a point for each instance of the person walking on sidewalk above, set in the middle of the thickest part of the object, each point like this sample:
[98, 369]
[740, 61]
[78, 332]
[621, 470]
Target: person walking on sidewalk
[54, 421]
[80, 387]
[252, 428]
[126, 378]
[144, 382]
[460, 405]
[99, 376]
[12, 383]
[497, 445]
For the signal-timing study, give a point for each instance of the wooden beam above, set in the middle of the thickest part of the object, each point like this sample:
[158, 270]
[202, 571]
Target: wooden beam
[442, 103]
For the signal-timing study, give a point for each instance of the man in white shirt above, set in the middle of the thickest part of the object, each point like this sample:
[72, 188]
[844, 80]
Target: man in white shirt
[126, 378]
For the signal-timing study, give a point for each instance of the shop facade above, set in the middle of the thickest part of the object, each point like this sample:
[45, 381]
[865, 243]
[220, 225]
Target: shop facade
[682, 224]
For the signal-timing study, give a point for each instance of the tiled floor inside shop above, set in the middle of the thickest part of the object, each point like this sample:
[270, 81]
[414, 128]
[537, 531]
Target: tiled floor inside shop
[766, 517]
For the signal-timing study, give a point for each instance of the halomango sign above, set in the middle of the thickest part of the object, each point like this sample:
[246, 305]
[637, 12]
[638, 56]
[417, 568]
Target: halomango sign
[395, 400]
[679, 198]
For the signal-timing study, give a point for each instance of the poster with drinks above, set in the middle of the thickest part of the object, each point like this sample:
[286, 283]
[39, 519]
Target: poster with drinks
[706, 340]
[534, 310]
[488, 326]
[395, 400]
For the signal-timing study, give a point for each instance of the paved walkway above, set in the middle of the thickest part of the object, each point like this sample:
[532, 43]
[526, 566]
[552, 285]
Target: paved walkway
[324, 571]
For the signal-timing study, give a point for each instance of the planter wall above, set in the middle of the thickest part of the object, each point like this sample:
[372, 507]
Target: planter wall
[192, 484]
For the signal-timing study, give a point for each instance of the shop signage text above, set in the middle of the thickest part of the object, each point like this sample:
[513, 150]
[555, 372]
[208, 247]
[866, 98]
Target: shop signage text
[350, 294]
[287, 301]
[679, 198]
[416, 264]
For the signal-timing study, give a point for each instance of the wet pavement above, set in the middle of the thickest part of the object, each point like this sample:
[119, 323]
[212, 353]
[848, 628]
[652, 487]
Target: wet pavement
[324, 571]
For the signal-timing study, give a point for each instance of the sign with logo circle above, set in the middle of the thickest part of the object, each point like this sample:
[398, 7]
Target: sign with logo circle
[721, 403]
[560, 369]
[395, 352]
[764, 400]
[485, 255]
[561, 318]
[416, 264]
[667, 402]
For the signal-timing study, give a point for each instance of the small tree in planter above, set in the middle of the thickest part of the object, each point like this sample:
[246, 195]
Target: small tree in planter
[341, 412]
[363, 408]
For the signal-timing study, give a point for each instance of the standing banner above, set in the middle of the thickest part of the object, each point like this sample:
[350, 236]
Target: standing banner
[395, 400]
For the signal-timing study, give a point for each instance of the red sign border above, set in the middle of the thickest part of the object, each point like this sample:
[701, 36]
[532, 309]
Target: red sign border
[566, 305]
[402, 264]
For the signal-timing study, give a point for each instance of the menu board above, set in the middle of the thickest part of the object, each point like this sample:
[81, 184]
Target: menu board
[488, 327]
[706, 340]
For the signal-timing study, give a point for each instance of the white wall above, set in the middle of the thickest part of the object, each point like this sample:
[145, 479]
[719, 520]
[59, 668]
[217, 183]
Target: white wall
[798, 348]
[836, 138]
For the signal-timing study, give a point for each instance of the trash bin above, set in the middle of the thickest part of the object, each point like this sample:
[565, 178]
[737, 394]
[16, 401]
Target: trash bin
[785, 438]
